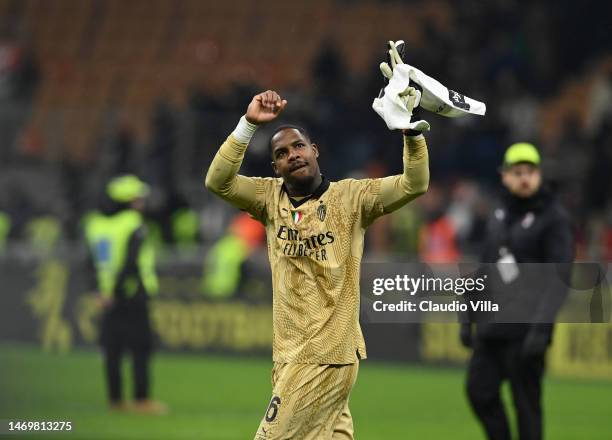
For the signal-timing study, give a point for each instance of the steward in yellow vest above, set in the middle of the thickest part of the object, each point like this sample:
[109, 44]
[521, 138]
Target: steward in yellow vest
[124, 262]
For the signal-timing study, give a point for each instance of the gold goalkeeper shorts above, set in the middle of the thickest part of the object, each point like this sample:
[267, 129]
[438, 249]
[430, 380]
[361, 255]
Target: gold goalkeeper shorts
[309, 401]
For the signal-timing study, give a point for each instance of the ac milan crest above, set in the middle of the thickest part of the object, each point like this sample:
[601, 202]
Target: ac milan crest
[321, 211]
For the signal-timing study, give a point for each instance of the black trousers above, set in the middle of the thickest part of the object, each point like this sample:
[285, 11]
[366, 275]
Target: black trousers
[493, 362]
[126, 331]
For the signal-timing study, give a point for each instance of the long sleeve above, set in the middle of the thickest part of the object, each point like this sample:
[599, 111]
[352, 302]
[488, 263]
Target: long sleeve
[558, 243]
[223, 178]
[387, 194]
[396, 191]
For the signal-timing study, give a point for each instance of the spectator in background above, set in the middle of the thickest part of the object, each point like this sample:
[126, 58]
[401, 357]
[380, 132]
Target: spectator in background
[18, 70]
[123, 158]
[223, 265]
[438, 235]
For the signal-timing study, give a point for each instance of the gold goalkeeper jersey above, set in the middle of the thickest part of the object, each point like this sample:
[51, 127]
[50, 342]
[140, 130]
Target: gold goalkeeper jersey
[315, 248]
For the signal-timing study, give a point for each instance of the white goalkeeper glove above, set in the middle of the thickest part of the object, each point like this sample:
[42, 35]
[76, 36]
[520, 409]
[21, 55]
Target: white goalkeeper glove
[434, 96]
[398, 100]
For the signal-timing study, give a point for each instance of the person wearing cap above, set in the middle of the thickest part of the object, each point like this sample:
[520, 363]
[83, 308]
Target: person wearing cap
[529, 226]
[124, 262]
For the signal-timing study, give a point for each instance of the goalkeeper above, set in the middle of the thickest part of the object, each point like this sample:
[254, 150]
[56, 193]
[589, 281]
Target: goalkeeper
[315, 232]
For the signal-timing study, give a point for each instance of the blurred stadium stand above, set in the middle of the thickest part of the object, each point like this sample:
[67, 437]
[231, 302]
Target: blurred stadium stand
[90, 88]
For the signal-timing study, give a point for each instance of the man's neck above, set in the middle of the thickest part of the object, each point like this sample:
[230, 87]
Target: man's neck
[304, 190]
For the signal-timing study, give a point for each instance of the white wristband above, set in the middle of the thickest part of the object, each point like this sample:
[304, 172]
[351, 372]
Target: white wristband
[244, 131]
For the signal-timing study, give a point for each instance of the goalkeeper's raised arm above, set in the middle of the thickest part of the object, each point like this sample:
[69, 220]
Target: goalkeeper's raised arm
[377, 197]
[222, 177]
[396, 191]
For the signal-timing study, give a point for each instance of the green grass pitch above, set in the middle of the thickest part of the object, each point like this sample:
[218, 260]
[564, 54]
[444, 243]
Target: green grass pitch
[219, 397]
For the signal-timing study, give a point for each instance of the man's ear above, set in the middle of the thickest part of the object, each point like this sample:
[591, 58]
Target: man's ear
[274, 168]
[504, 177]
[316, 150]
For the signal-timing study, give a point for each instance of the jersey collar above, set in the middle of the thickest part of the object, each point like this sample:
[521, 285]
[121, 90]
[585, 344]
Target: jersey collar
[315, 195]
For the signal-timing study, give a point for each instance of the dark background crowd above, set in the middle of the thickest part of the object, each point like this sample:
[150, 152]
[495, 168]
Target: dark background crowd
[90, 89]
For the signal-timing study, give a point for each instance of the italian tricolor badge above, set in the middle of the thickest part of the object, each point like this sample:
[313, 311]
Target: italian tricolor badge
[297, 216]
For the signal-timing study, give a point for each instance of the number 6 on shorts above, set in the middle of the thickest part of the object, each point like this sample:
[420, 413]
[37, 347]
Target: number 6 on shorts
[272, 410]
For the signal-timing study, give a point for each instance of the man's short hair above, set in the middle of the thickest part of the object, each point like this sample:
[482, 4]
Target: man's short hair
[280, 128]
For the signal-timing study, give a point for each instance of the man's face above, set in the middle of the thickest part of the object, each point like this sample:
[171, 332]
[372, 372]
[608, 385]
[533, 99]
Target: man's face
[522, 180]
[138, 204]
[294, 157]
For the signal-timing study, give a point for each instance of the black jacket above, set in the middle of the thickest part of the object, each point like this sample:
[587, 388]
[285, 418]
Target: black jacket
[533, 230]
